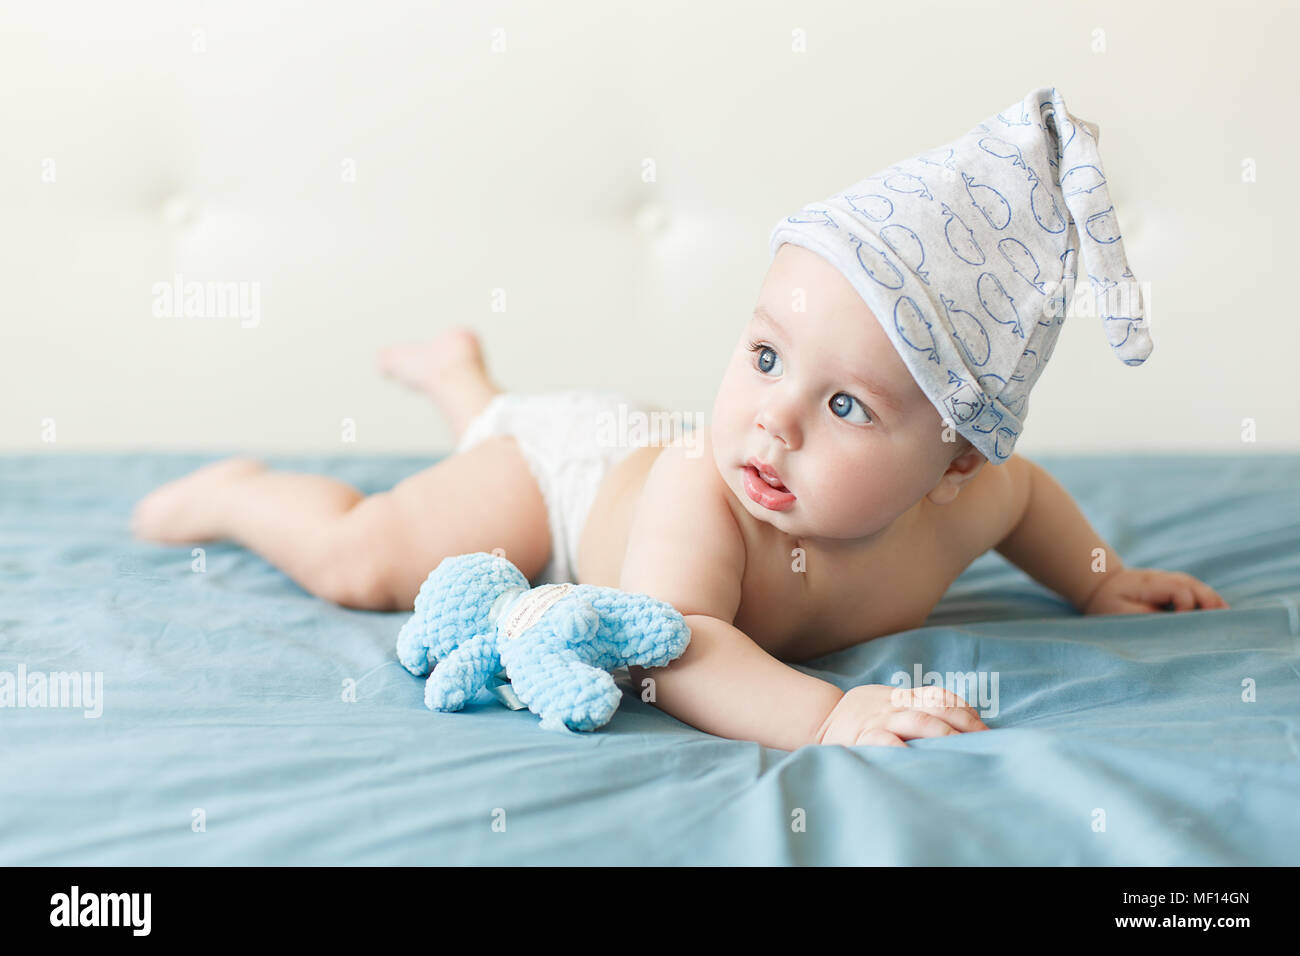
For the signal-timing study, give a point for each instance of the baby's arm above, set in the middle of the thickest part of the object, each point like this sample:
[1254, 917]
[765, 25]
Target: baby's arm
[684, 547]
[727, 685]
[1053, 543]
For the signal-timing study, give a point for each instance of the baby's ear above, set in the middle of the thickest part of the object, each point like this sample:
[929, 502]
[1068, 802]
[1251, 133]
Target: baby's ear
[964, 466]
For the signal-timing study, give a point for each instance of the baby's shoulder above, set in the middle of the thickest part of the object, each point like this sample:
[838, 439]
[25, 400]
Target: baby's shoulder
[680, 468]
[685, 480]
[684, 545]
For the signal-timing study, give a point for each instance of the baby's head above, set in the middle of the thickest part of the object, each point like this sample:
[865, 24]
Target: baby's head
[904, 321]
[816, 391]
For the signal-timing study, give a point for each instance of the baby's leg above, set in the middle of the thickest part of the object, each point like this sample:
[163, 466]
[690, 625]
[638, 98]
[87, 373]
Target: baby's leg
[365, 552]
[449, 369]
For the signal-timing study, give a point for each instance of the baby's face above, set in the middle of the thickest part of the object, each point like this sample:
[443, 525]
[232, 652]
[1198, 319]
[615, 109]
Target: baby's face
[819, 394]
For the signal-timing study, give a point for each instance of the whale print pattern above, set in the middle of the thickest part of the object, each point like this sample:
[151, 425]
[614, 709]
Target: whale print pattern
[819, 216]
[1022, 261]
[1081, 179]
[991, 383]
[997, 385]
[907, 246]
[914, 328]
[907, 183]
[1026, 366]
[876, 264]
[939, 157]
[1003, 150]
[969, 253]
[961, 240]
[968, 331]
[1103, 226]
[872, 206]
[1043, 205]
[988, 419]
[1060, 299]
[965, 404]
[993, 206]
[998, 303]
[1101, 286]
[1005, 439]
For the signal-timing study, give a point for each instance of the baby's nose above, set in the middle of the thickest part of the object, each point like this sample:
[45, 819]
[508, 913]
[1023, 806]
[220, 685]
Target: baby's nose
[779, 422]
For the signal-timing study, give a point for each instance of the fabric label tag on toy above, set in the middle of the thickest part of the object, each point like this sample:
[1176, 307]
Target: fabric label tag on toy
[528, 610]
[504, 692]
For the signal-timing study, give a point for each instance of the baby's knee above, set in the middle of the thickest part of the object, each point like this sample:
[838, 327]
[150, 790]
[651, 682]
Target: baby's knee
[353, 566]
[358, 585]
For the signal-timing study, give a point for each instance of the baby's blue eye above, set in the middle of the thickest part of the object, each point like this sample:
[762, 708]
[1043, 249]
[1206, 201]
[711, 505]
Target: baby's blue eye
[842, 405]
[767, 357]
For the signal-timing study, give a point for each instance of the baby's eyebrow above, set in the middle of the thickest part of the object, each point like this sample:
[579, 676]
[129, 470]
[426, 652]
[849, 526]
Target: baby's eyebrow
[765, 316]
[882, 393]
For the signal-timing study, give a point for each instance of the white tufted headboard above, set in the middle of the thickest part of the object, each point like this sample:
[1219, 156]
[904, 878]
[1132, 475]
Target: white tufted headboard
[365, 173]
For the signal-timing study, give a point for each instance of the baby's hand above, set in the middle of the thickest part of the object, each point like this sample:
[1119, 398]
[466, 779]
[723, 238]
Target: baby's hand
[880, 715]
[1143, 590]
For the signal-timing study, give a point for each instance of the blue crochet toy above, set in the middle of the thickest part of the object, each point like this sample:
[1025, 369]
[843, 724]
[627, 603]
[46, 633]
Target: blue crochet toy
[476, 614]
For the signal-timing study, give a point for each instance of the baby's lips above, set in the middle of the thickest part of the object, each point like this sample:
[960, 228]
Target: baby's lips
[768, 474]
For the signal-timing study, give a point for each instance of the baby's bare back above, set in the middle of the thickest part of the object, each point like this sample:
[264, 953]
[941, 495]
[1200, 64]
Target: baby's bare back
[796, 600]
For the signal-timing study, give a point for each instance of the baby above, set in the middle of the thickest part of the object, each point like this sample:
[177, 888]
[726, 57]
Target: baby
[897, 333]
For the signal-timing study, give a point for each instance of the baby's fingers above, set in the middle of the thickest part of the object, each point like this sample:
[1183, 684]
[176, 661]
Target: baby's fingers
[939, 702]
[1164, 590]
[910, 724]
[1207, 597]
[1129, 606]
[1182, 591]
[1183, 598]
[878, 737]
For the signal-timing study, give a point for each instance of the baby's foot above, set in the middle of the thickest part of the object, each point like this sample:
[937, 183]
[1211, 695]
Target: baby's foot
[188, 509]
[424, 365]
[449, 370]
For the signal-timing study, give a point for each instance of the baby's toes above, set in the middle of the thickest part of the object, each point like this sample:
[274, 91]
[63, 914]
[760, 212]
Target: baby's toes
[155, 516]
[187, 509]
[391, 359]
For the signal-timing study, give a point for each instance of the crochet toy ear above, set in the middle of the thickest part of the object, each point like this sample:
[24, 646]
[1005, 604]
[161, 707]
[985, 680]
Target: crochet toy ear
[413, 646]
[552, 670]
[462, 674]
[566, 691]
[454, 600]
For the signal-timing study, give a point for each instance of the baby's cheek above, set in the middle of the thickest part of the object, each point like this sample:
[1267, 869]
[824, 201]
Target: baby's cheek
[846, 505]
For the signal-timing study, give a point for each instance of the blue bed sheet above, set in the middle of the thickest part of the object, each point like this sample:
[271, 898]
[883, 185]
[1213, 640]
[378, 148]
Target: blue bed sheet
[229, 733]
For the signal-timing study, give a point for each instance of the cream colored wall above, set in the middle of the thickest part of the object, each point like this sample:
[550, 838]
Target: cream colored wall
[148, 139]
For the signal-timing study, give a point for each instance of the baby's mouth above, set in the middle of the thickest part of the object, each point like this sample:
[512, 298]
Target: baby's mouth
[766, 491]
[767, 474]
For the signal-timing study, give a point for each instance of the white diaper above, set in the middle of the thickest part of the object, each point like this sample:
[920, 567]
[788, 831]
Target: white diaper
[570, 440]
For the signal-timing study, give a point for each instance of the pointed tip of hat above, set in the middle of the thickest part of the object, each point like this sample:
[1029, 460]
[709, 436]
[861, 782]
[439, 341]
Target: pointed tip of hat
[1135, 346]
